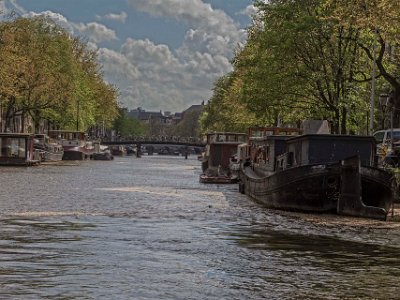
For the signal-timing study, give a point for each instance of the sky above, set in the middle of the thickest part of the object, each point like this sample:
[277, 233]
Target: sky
[160, 54]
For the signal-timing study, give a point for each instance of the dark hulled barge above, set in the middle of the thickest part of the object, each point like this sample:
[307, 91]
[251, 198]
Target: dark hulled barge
[318, 173]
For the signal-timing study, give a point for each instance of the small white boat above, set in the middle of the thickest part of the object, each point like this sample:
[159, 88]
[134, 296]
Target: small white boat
[50, 149]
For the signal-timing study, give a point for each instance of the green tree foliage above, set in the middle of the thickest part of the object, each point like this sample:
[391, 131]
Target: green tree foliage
[189, 125]
[47, 74]
[299, 62]
[310, 59]
[224, 111]
[127, 126]
[378, 25]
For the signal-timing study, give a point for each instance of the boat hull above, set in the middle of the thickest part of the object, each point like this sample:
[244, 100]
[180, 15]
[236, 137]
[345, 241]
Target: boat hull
[103, 156]
[77, 153]
[218, 179]
[7, 161]
[317, 188]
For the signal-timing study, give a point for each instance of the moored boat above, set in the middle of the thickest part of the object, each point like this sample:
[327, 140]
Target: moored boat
[103, 153]
[75, 144]
[319, 173]
[118, 150]
[49, 148]
[16, 149]
[220, 148]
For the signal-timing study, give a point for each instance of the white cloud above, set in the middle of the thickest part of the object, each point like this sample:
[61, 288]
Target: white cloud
[191, 70]
[11, 7]
[3, 8]
[154, 76]
[195, 13]
[56, 17]
[118, 65]
[250, 11]
[117, 17]
[19, 9]
[96, 32]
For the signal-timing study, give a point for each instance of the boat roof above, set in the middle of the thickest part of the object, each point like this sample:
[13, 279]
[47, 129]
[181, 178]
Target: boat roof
[338, 137]
[271, 137]
[275, 130]
[227, 133]
[67, 131]
[15, 134]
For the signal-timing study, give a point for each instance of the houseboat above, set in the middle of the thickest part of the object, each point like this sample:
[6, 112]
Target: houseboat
[320, 173]
[118, 150]
[50, 149]
[75, 144]
[103, 153]
[16, 149]
[217, 157]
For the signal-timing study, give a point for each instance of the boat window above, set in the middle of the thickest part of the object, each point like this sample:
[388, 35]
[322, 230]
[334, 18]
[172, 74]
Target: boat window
[18, 147]
[212, 138]
[6, 147]
[12, 147]
[396, 135]
[221, 138]
[231, 138]
[379, 136]
[241, 138]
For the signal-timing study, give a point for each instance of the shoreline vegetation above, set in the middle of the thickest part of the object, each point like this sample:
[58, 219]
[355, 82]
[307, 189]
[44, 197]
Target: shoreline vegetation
[302, 60]
[313, 59]
[47, 75]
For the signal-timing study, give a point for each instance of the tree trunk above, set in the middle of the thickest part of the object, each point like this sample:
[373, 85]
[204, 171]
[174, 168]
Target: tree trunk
[343, 125]
[336, 122]
[394, 99]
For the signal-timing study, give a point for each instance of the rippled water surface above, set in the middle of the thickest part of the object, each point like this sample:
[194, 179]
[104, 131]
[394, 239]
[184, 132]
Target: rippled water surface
[147, 229]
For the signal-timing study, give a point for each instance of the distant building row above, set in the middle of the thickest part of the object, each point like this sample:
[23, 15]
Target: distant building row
[167, 117]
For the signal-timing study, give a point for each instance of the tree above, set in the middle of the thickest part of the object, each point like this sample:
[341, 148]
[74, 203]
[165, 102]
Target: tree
[309, 61]
[298, 63]
[224, 111]
[127, 126]
[47, 74]
[379, 37]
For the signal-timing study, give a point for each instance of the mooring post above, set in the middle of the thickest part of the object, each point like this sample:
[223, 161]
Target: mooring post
[138, 150]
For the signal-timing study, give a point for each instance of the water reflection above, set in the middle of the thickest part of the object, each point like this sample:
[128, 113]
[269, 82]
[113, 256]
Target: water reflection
[147, 229]
[320, 266]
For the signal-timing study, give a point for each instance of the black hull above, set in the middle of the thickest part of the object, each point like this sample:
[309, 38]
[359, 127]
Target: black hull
[319, 189]
[76, 155]
[102, 156]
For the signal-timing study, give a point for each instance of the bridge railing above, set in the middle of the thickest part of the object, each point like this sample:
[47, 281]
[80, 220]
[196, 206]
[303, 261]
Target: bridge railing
[165, 139]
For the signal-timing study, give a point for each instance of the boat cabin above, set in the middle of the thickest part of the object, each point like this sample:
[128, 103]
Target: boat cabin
[16, 149]
[326, 149]
[67, 135]
[262, 132]
[221, 146]
[263, 151]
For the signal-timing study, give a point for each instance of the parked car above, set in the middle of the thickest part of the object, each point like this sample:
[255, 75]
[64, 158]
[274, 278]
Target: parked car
[384, 136]
[387, 155]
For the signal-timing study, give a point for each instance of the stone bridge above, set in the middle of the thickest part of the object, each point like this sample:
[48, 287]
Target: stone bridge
[155, 140]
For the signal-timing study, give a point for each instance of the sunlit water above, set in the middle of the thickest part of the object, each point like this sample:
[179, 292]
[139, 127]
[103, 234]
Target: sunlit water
[145, 228]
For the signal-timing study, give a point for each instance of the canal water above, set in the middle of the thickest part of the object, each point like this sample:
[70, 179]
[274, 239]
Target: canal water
[145, 228]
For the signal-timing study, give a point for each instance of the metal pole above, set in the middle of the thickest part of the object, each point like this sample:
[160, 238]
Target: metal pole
[372, 101]
[77, 116]
[391, 127]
